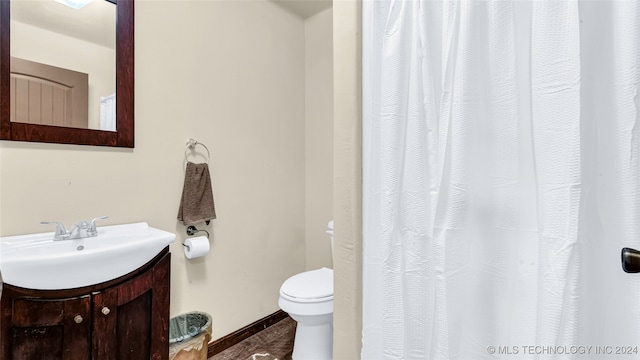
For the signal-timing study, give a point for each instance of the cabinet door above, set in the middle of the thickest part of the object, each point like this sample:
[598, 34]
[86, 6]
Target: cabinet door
[50, 329]
[131, 320]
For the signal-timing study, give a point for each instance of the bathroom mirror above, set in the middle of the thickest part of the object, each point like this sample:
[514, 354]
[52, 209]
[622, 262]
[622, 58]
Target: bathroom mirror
[124, 90]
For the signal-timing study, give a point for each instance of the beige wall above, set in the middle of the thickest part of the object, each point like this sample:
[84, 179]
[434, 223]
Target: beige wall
[347, 179]
[231, 75]
[47, 47]
[318, 137]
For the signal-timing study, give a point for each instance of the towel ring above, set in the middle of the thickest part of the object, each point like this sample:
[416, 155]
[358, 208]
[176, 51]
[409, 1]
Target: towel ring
[191, 144]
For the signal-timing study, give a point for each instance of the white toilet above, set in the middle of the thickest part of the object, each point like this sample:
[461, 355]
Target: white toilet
[308, 298]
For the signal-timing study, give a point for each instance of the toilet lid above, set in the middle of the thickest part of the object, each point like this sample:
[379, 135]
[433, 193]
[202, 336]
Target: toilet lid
[314, 284]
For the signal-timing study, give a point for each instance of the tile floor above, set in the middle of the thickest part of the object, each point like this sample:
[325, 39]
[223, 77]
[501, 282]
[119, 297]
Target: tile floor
[273, 343]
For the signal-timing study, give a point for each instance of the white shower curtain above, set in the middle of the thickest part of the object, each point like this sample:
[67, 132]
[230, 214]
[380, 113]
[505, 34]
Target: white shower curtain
[501, 179]
[108, 112]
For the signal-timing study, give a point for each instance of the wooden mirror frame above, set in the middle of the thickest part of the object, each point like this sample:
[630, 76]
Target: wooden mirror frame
[124, 135]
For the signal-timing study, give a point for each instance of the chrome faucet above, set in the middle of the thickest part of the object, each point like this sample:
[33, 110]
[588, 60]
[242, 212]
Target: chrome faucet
[61, 231]
[93, 231]
[81, 230]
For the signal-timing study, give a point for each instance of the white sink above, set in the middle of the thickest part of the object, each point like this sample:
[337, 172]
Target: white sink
[36, 261]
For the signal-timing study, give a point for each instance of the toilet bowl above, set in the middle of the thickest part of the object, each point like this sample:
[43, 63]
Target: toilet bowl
[308, 299]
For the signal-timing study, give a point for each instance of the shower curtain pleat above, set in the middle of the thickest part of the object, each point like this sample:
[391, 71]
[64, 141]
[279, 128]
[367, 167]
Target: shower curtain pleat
[555, 90]
[501, 177]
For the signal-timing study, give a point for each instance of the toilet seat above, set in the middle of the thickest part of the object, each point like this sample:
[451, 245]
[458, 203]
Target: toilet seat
[309, 286]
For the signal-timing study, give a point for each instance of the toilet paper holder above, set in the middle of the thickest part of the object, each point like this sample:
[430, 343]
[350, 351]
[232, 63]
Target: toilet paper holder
[192, 230]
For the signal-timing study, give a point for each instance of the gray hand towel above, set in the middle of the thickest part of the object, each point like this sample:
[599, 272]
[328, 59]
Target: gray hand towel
[196, 203]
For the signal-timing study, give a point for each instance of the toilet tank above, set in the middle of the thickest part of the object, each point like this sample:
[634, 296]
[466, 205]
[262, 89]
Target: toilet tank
[330, 232]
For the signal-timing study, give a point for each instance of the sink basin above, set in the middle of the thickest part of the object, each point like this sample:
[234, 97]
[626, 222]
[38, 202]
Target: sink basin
[36, 261]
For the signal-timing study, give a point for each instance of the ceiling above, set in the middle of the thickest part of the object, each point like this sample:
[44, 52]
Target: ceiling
[304, 8]
[95, 22]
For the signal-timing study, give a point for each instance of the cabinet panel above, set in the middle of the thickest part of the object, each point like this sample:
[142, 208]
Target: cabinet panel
[160, 309]
[134, 332]
[103, 342]
[28, 343]
[51, 329]
[47, 313]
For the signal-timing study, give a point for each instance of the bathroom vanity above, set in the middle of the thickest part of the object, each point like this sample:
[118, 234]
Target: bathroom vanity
[124, 318]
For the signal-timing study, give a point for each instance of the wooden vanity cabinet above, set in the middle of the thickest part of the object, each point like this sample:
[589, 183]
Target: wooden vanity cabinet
[123, 319]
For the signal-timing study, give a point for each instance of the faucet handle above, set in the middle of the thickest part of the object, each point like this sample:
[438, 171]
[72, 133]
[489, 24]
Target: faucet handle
[93, 231]
[61, 231]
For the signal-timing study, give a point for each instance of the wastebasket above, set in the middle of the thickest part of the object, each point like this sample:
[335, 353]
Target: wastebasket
[189, 335]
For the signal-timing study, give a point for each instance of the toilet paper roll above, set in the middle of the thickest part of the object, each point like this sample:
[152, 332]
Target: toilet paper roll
[196, 247]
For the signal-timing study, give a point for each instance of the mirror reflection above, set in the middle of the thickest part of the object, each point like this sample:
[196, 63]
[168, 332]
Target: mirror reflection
[63, 63]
